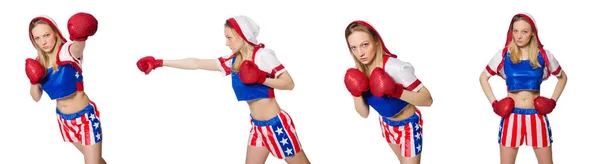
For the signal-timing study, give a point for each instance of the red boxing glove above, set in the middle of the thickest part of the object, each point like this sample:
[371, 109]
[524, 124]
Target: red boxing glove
[504, 107]
[544, 105]
[34, 70]
[356, 82]
[251, 74]
[81, 26]
[148, 63]
[382, 84]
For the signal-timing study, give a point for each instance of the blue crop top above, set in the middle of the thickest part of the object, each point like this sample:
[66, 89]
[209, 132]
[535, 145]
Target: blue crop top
[248, 92]
[522, 76]
[67, 79]
[266, 61]
[386, 106]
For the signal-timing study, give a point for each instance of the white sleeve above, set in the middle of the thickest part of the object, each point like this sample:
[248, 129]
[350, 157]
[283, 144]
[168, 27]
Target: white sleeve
[225, 63]
[493, 67]
[266, 60]
[66, 55]
[403, 73]
[553, 64]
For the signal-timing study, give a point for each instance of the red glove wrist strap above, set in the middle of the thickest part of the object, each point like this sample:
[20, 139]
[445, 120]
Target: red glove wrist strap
[158, 63]
[398, 92]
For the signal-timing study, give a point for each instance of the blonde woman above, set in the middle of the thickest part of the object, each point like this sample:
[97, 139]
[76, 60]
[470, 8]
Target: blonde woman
[255, 74]
[390, 86]
[524, 64]
[57, 71]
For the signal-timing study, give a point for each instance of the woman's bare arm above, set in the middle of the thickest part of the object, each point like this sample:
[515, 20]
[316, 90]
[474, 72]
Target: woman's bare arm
[193, 64]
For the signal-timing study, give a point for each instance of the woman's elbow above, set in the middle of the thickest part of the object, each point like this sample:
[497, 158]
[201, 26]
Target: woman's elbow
[483, 78]
[427, 102]
[563, 77]
[364, 113]
[35, 98]
[289, 86]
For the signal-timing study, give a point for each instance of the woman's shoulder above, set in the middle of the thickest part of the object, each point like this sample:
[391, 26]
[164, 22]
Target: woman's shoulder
[395, 62]
[265, 51]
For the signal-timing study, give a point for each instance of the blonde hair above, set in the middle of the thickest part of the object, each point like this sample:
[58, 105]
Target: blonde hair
[378, 61]
[245, 50]
[532, 47]
[43, 56]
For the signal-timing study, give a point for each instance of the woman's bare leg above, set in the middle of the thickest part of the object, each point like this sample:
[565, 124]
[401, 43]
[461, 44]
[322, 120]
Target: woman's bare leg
[544, 155]
[508, 155]
[256, 155]
[92, 154]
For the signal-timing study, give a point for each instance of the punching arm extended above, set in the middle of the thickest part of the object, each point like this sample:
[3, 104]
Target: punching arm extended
[77, 48]
[560, 86]
[419, 98]
[486, 87]
[36, 92]
[193, 64]
[283, 82]
[361, 106]
[80, 26]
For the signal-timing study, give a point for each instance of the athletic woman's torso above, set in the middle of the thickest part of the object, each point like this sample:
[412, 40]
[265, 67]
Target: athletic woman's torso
[259, 97]
[264, 109]
[73, 102]
[524, 99]
[524, 80]
[405, 112]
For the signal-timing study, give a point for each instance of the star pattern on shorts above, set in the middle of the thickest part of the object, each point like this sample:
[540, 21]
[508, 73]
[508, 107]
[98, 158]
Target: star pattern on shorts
[288, 151]
[284, 141]
[279, 131]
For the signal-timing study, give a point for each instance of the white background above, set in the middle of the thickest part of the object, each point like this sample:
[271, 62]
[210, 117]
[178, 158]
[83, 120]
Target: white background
[177, 116]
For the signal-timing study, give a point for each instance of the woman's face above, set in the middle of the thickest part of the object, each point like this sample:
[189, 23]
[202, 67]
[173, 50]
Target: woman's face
[362, 46]
[522, 33]
[234, 41]
[44, 37]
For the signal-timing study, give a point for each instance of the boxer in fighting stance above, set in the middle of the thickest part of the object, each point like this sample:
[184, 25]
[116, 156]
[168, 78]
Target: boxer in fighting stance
[57, 71]
[524, 64]
[389, 86]
[255, 73]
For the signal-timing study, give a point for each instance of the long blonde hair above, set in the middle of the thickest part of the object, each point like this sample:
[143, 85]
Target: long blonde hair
[42, 55]
[378, 61]
[246, 50]
[532, 47]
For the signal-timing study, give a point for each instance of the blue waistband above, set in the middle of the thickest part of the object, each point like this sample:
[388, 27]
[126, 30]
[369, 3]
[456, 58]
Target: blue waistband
[269, 122]
[525, 111]
[87, 109]
[413, 118]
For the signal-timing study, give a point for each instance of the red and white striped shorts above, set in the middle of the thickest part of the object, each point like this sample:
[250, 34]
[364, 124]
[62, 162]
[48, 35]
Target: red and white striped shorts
[278, 134]
[406, 133]
[525, 125]
[83, 126]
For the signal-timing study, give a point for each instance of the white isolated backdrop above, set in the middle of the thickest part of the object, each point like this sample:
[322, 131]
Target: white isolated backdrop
[177, 116]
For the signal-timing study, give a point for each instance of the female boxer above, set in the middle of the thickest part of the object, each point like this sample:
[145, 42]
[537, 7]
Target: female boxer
[524, 64]
[57, 71]
[389, 85]
[255, 73]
